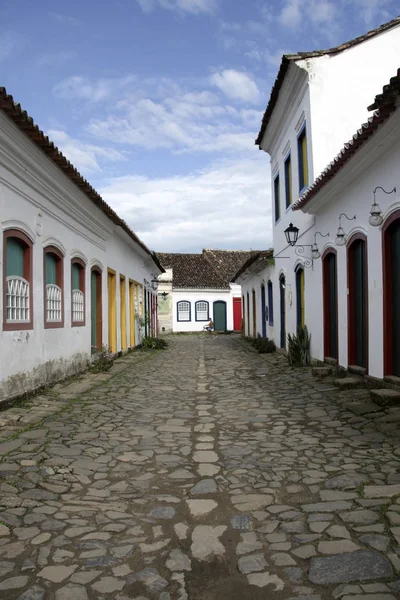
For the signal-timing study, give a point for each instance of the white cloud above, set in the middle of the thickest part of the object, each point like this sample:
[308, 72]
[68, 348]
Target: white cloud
[94, 91]
[291, 14]
[322, 11]
[227, 205]
[83, 156]
[236, 85]
[373, 9]
[182, 7]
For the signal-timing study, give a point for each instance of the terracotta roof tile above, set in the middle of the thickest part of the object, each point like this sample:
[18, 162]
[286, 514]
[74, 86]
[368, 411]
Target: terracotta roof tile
[386, 105]
[212, 269]
[287, 59]
[27, 125]
[260, 258]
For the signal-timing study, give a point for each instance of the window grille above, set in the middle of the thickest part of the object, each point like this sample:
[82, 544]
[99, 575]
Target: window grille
[53, 303]
[202, 311]
[17, 299]
[78, 306]
[183, 311]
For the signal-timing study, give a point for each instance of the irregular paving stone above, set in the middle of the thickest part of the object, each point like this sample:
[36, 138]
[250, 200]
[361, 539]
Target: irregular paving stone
[206, 486]
[381, 491]
[359, 517]
[345, 481]
[57, 574]
[13, 583]
[337, 547]
[150, 578]
[363, 565]
[252, 563]
[205, 541]
[33, 593]
[379, 542]
[72, 592]
[242, 522]
[201, 507]
[178, 561]
[248, 544]
[162, 512]
[251, 501]
[264, 579]
[327, 506]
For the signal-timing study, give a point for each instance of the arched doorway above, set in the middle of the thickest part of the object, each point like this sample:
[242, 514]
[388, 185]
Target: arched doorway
[254, 313]
[330, 303]
[282, 292]
[219, 315]
[263, 320]
[300, 315]
[248, 314]
[357, 301]
[391, 291]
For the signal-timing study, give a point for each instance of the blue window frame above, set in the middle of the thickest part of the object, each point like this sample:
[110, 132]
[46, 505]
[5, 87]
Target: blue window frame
[302, 157]
[270, 303]
[288, 181]
[183, 311]
[277, 199]
[202, 310]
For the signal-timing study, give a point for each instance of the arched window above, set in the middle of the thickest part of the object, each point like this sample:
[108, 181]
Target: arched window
[202, 311]
[17, 281]
[300, 297]
[53, 287]
[270, 303]
[183, 310]
[78, 292]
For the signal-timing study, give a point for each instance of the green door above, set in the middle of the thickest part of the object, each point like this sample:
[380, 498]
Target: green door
[94, 307]
[219, 315]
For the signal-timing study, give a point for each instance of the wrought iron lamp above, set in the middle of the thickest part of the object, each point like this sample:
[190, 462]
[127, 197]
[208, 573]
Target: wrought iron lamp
[164, 295]
[341, 239]
[291, 233]
[375, 215]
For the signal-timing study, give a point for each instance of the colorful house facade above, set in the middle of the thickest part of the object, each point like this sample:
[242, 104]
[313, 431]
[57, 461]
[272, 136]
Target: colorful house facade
[73, 271]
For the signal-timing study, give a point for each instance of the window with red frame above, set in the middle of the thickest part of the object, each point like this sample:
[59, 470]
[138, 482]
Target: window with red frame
[53, 288]
[17, 280]
[78, 291]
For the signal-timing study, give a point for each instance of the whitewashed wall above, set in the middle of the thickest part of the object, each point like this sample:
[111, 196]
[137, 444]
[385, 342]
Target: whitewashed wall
[192, 297]
[36, 197]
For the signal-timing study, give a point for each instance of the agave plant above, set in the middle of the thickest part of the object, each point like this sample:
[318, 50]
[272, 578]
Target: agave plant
[299, 347]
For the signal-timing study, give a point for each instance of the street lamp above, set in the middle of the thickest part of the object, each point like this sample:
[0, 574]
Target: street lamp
[375, 215]
[341, 239]
[291, 233]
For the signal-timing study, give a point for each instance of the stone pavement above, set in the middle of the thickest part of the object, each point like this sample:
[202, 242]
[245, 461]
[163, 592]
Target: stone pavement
[203, 472]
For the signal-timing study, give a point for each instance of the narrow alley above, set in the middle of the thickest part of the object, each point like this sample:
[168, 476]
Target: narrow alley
[202, 472]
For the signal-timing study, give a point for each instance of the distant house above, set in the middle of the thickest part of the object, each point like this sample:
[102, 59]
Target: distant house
[197, 287]
[75, 276]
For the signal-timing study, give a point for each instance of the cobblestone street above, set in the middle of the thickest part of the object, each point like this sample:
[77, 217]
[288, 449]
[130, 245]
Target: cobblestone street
[205, 471]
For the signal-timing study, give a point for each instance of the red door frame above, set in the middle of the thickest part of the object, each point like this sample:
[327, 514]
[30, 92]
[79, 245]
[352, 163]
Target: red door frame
[351, 342]
[325, 301]
[387, 295]
[237, 314]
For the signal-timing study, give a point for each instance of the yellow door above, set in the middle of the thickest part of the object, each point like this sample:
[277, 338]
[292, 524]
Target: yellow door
[112, 310]
[122, 301]
[132, 314]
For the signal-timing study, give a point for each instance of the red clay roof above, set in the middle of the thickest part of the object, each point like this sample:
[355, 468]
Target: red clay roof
[212, 269]
[287, 59]
[262, 257]
[385, 104]
[27, 125]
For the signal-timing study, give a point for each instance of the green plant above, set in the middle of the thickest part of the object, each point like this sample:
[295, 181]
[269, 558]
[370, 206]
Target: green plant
[102, 359]
[151, 343]
[299, 347]
[265, 346]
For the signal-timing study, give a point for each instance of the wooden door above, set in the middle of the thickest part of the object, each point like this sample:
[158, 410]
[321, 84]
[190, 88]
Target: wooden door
[96, 306]
[391, 291]
[112, 311]
[237, 314]
[330, 304]
[357, 302]
[263, 320]
[282, 290]
[219, 315]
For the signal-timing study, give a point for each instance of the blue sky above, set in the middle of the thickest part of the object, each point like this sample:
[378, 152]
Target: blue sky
[158, 102]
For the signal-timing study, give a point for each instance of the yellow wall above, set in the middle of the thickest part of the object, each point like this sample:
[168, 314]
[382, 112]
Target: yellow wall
[122, 299]
[112, 310]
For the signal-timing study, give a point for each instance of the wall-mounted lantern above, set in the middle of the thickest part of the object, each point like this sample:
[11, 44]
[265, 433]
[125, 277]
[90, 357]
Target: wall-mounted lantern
[292, 234]
[375, 215]
[341, 239]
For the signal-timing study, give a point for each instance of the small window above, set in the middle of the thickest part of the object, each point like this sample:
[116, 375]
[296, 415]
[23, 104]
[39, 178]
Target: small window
[17, 267]
[202, 311]
[78, 292]
[303, 163]
[277, 199]
[53, 288]
[183, 311]
[288, 181]
[270, 304]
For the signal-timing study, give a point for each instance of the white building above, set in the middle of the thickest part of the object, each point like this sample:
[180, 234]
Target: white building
[318, 101]
[196, 288]
[74, 274]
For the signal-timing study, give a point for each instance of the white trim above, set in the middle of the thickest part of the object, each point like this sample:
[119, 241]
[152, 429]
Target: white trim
[95, 262]
[50, 241]
[78, 254]
[16, 224]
